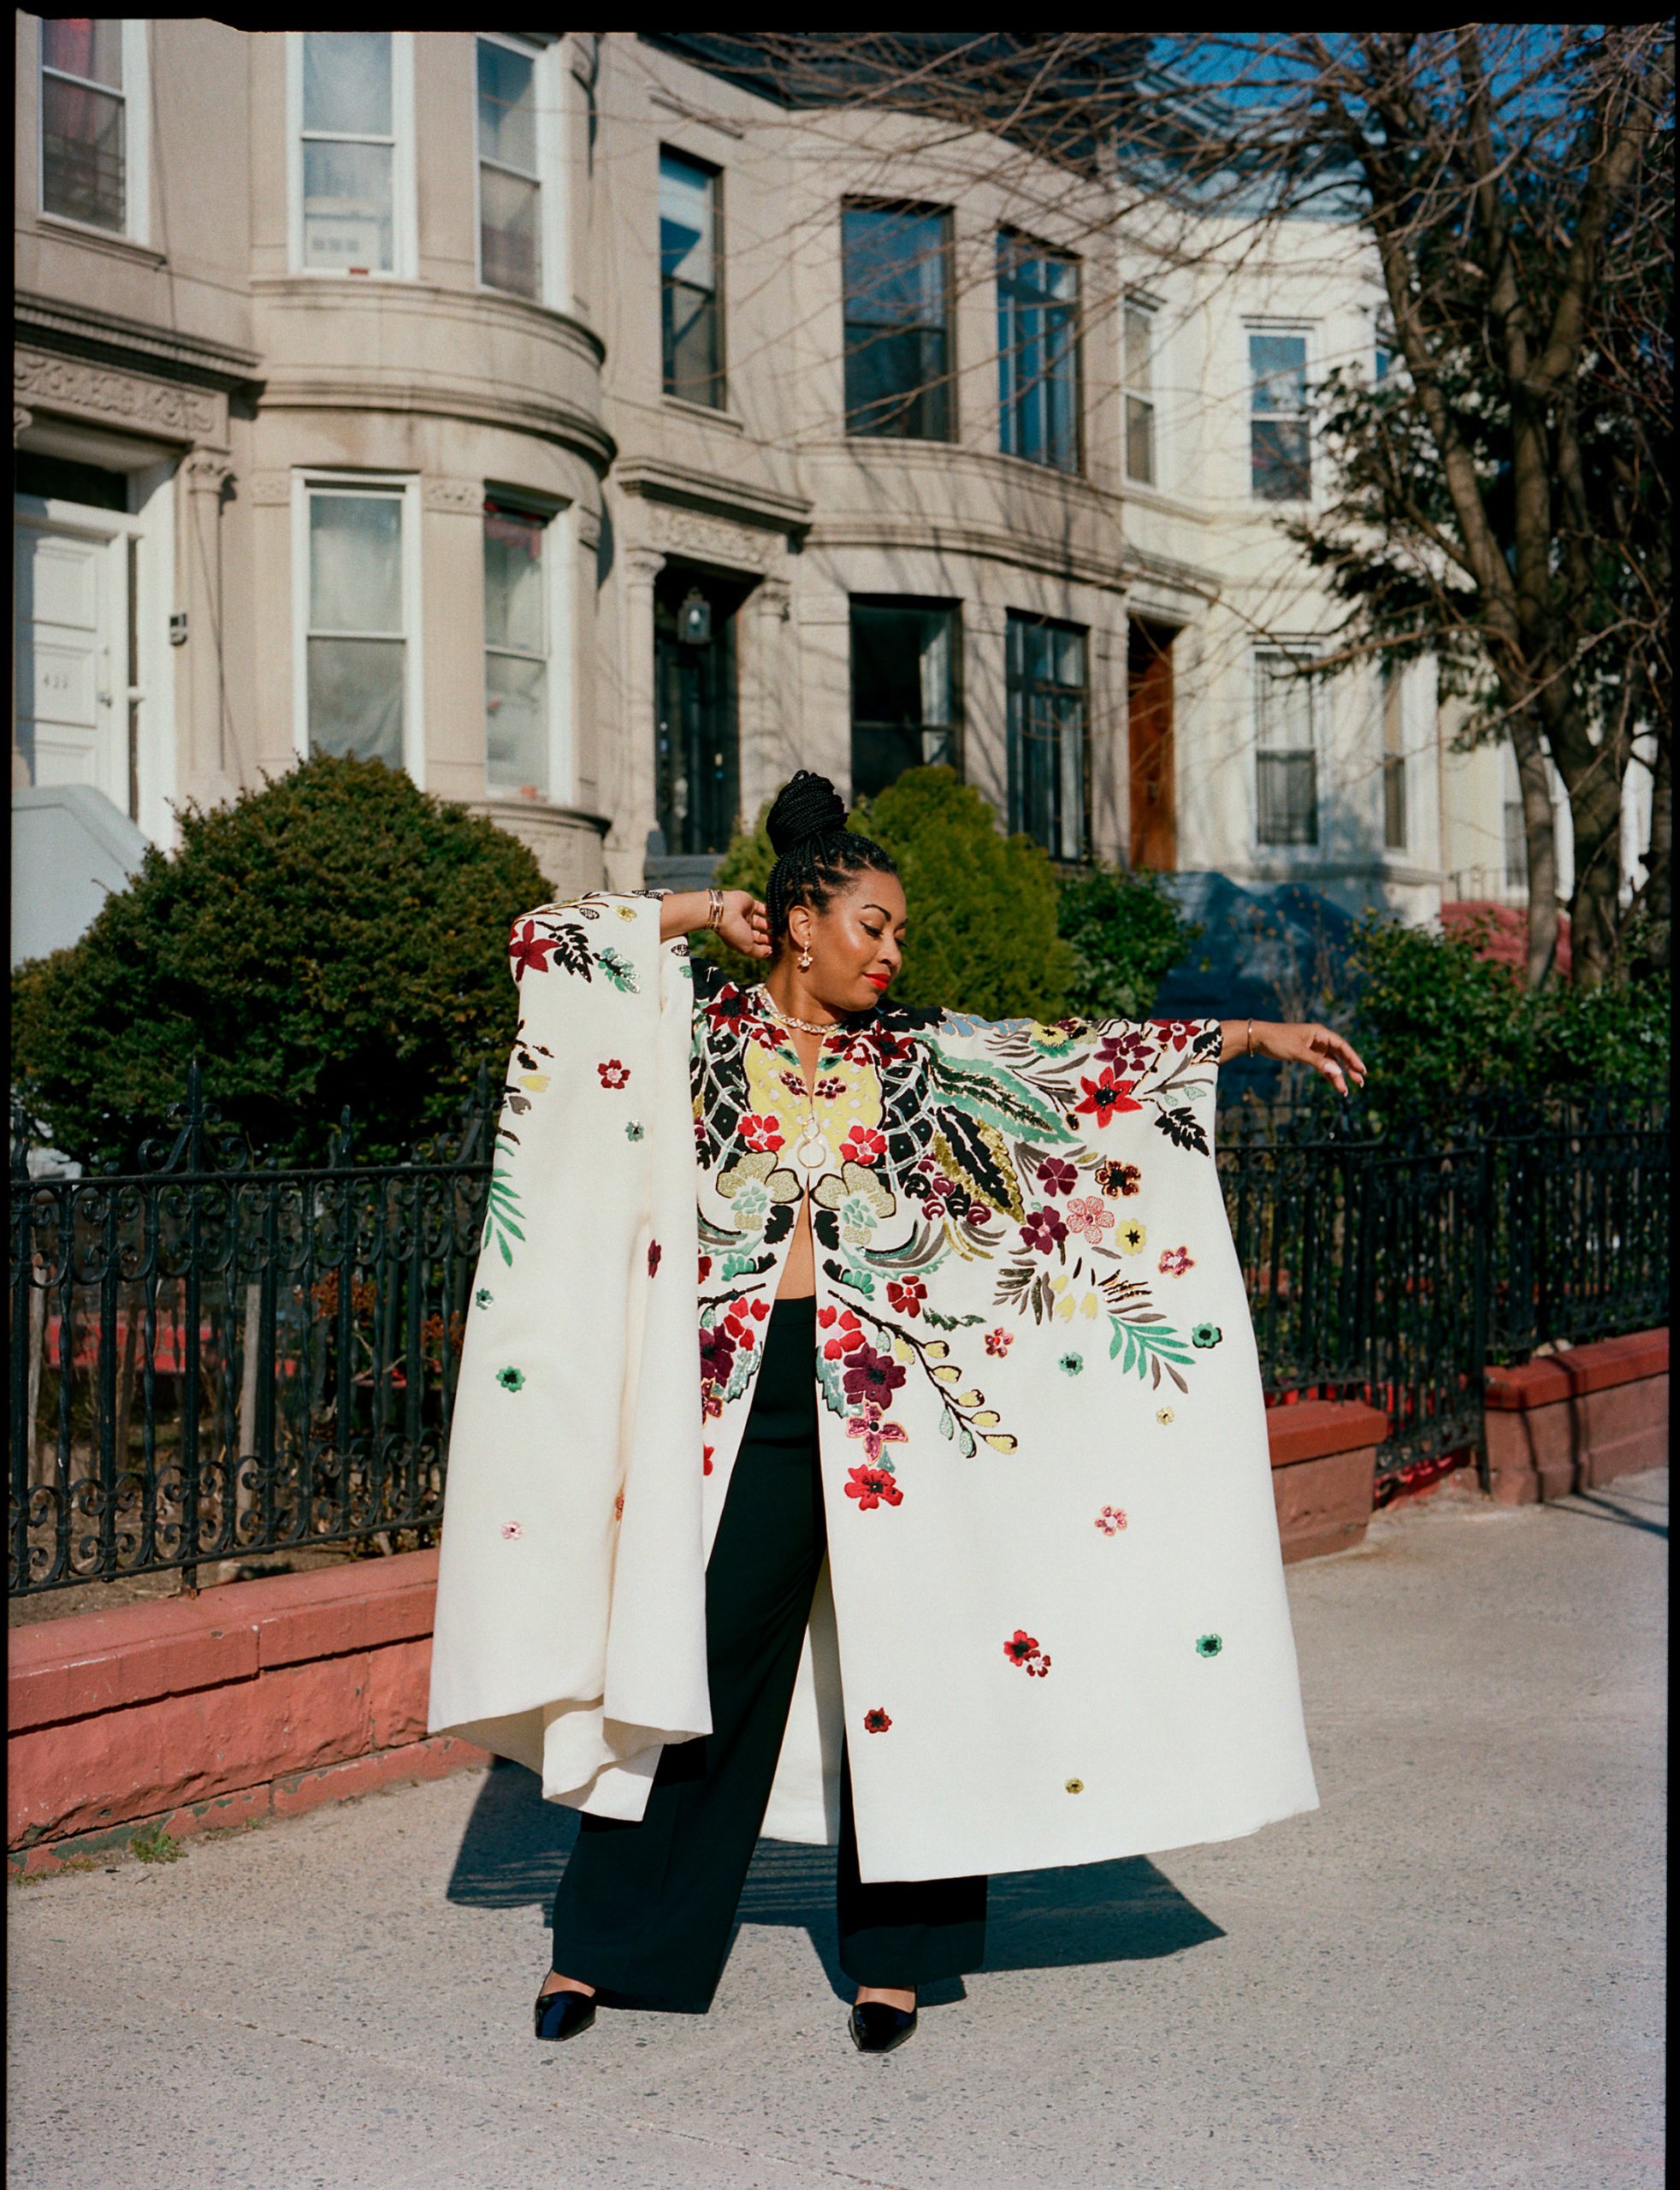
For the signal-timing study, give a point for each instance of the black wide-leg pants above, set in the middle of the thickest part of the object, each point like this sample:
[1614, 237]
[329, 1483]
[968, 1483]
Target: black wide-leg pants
[644, 1910]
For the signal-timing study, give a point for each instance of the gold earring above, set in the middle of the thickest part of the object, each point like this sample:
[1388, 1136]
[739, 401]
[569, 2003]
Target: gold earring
[804, 961]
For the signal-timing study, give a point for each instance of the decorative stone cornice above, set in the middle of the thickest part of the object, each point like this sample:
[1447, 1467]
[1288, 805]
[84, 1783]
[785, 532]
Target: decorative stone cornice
[109, 396]
[453, 497]
[268, 489]
[712, 539]
[75, 330]
[738, 502]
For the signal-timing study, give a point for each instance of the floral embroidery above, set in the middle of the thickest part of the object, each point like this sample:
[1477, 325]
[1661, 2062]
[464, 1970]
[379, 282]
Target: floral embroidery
[511, 1531]
[1132, 1237]
[870, 1485]
[1022, 1649]
[1000, 1340]
[1174, 1261]
[632, 1131]
[1071, 1364]
[706, 1459]
[906, 1298]
[618, 1507]
[613, 1075]
[876, 1722]
[1129, 1048]
[761, 1132]
[1106, 1095]
[654, 1252]
[1116, 1178]
[1043, 1231]
[1057, 1177]
[1164, 1414]
[1089, 1220]
[1172, 1033]
[510, 1380]
[502, 1214]
[1209, 1646]
[863, 1145]
[1111, 1520]
[1205, 1335]
[484, 1297]
[525, 947]
[859, 1199]
[870, 1375]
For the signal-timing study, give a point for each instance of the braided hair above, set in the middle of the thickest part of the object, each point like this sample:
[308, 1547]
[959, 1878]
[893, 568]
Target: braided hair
[815, 852]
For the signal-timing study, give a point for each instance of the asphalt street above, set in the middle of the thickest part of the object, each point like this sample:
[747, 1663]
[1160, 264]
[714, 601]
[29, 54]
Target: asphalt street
[1449, 1974]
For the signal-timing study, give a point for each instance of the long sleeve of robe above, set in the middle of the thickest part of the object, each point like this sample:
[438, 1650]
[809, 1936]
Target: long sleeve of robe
[1053, 1626]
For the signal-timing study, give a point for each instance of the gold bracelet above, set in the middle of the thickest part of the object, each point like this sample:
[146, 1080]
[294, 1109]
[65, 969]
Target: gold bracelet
[1250, 1051]
[714, 918]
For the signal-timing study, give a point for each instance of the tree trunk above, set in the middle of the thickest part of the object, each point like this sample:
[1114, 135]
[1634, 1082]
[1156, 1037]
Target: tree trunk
[1542, 850]
[1595, 908]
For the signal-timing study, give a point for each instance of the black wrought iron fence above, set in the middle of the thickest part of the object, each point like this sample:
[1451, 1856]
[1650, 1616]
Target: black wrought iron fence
[213, 1359]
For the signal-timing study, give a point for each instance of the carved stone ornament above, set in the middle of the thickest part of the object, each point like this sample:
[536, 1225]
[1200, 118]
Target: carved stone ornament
[454, 497]
[713, 539]
[206, 472]
[22, 420]
[269, 490]
[642, 565]
[68, 384]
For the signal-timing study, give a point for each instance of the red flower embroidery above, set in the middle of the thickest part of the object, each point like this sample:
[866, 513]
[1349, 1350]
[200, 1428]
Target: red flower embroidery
[1042, 1231]
[1056, 1177]
[525, 947]
[1106, 1095]
[908, 1298]
[1172, 1033]
[1022, 1649]
[875, 1433]
[870, 1375]
[613, 1075]
[705, 1269]
[1116, 1179]
[654, 1252]
[706, 1459]
[869, 1486]
[761, 1132]
[876, 1722]
[1174, 1261]
[863, 1146]
[1000, 1340]
[1087, 1217]
[1130, 1049]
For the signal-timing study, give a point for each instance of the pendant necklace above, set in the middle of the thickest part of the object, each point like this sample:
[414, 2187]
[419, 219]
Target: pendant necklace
[811, 1151]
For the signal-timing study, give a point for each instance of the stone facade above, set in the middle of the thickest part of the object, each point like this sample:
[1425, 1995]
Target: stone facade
[190, 349]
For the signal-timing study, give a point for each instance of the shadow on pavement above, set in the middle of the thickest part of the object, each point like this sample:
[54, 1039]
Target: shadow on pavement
[1596, 1506]
[515, 1845]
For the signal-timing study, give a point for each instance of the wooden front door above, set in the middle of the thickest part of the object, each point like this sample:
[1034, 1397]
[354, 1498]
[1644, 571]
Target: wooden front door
[1154, 835]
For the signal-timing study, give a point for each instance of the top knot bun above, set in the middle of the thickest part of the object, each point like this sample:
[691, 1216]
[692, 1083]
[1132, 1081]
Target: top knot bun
[808, 806]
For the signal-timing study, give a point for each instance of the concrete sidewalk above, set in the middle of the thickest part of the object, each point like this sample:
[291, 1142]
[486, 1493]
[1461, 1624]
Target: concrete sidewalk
[1450, 1974]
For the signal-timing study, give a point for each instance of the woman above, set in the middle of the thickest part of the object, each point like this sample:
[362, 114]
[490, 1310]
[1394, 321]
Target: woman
[961, 1547]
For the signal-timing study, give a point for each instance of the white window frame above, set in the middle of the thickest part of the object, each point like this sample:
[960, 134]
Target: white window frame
[1259, 657]
[547, 90]
[304, 482]
[1308, 329]
[136, 96]
[404, 241]
[1140, 300]
[1392, 691]
[559, 549]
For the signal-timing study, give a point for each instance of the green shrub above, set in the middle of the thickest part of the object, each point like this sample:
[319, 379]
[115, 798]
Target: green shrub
[1440, 1022]
[336, 938]
[983, 907]
[1126, 934]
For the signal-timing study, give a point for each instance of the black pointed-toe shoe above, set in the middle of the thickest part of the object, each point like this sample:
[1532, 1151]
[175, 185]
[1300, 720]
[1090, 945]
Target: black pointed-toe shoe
[877, 2028]
[564, 2014]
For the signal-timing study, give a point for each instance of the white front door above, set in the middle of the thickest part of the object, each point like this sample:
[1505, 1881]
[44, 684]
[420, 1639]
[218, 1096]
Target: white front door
[72, 658]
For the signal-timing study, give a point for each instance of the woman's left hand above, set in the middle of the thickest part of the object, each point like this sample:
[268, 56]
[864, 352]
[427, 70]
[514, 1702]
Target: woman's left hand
[1321, 1047]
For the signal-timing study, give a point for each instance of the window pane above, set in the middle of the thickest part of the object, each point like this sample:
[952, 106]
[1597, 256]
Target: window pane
[356, 698]
[1037, 353]
[355, 563]
[1394, 803]
[1278, 367]
[347, 205]
[1140, 440]
[688, 245]
[84, 46]
[508, 243]
[1283, 705]
[903, 695]
[82, 154]
[1288, 798]
[896, 334]
[515, 723]
[513, 613]
[1281, 465]
[506, 107]
[1048, 732]
[690, 334]
[1139, 337]
[347, 82]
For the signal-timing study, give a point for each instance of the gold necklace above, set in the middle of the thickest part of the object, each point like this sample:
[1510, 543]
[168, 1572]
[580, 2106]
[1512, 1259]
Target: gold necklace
[787, 1018]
